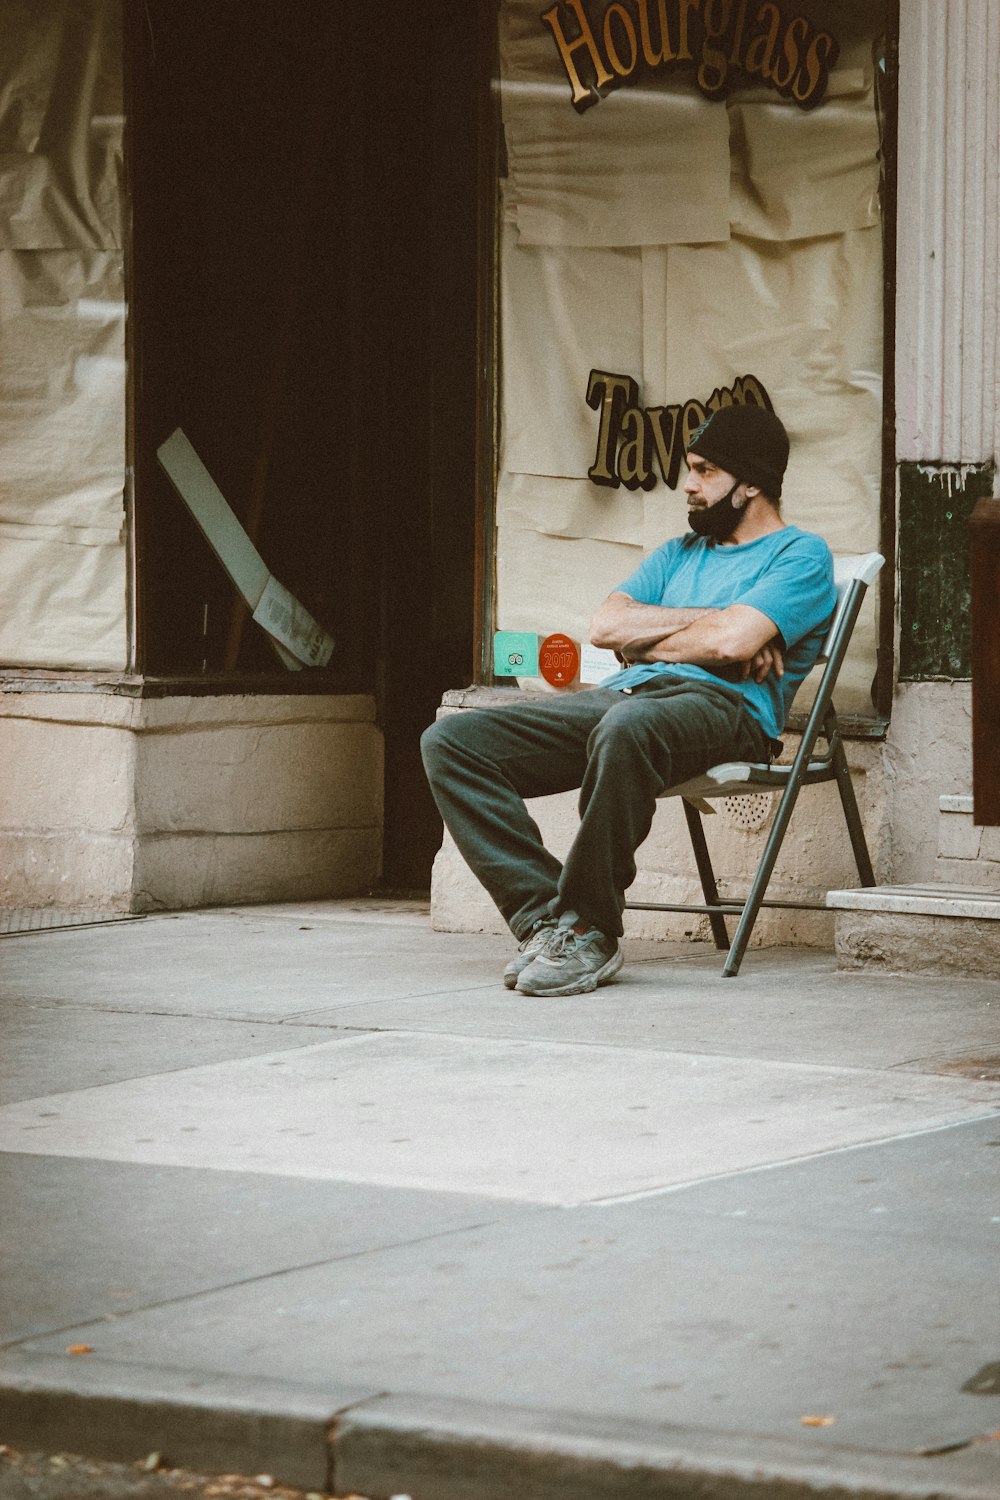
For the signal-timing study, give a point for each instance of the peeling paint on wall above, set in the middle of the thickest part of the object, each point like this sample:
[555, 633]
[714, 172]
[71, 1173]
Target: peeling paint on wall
[936, 502]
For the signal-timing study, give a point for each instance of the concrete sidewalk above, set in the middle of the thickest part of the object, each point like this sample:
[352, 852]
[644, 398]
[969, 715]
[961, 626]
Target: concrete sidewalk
[322, 1199]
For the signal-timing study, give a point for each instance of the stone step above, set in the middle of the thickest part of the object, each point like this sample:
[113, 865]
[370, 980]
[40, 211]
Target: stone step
[936, 928]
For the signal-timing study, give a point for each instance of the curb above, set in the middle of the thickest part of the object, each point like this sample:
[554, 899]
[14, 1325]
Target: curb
[207, 1422]
[454, 1450]
[349, 1440]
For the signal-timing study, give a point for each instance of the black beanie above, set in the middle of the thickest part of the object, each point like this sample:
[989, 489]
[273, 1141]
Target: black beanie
[748, 442]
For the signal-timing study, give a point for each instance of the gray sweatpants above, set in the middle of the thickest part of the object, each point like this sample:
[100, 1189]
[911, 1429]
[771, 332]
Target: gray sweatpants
[620, 749]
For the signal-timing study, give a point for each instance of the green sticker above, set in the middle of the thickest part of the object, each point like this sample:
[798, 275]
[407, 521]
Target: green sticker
[515, 653]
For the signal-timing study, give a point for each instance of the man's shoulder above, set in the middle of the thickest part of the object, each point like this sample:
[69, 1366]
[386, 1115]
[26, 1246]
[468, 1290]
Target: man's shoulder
[795, 536]
[803, 545]
[675, 548]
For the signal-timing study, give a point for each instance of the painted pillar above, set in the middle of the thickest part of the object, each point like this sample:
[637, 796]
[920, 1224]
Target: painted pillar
[948, 424]
[948, 329]
[948, 343]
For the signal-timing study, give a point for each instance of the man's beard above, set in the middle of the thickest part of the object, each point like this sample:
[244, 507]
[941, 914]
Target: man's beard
[717, 521]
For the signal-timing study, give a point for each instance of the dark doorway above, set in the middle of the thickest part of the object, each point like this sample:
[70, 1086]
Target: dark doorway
[303, 295]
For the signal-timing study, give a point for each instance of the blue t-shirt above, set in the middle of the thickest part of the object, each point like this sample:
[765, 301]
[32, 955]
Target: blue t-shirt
[787, 575]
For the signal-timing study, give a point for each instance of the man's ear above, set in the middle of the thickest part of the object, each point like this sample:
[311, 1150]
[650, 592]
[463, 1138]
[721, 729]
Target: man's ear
[752, 491]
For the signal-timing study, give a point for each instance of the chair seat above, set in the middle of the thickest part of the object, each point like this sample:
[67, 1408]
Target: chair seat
[738, 776]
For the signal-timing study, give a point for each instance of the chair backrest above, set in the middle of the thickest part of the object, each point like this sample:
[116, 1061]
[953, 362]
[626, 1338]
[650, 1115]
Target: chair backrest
[860, 567]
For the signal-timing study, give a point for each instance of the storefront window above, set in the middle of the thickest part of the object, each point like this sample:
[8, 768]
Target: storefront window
[690, 215]
[63, 560]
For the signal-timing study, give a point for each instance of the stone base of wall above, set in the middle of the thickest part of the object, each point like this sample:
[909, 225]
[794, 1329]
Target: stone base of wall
[125, 804]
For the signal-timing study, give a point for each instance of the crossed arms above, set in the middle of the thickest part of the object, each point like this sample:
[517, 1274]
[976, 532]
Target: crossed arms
[702, 637]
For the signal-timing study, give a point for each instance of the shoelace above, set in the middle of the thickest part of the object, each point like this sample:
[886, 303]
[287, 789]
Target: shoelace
[563, 941]
[538, 935]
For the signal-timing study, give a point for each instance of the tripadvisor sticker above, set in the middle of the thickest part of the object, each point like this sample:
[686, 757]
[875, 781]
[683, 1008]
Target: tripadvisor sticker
[558, 660]
[515, 653]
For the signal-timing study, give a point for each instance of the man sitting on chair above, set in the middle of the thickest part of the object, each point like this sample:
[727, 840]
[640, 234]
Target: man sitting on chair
[715, 631]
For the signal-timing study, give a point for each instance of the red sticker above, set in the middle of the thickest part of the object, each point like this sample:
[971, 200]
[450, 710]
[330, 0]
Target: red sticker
[558, 660]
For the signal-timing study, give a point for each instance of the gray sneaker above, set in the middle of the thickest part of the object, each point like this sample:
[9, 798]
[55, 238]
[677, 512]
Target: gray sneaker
[571, 963]
[529, 950]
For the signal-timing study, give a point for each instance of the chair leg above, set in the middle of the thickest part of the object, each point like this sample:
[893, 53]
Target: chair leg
[706, 874]
[854, 825]
[760, 881]
[777, 834]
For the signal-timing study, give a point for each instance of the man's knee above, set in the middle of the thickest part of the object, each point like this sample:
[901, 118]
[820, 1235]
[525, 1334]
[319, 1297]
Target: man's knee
[623, 725]
[451, 733]
[434, 741]
[631, 744]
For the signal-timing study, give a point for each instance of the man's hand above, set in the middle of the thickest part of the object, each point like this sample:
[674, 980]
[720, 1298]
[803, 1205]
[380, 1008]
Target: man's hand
[768, 659]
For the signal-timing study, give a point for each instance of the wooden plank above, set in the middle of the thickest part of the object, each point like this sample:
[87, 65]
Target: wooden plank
[984, 546]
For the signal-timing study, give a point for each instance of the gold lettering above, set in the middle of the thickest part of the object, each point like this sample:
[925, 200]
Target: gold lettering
[691, 419]
[797, 28]
[634, 454]
[817, 70]
[714, 62]
[668, 449]
[630, 436]
[582, 96]
[721, 396]
[683, 9]
[649, 52]
[622, 69]
[610, 394]
[748, 391]
[669, 55]
[760, 53]
[716, 35]
[736, 56]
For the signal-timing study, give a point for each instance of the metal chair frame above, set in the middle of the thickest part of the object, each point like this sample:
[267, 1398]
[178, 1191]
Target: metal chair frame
[852, 576]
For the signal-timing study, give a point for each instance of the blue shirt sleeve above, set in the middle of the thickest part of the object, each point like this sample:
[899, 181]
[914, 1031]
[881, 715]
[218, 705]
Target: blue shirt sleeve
[796, 591]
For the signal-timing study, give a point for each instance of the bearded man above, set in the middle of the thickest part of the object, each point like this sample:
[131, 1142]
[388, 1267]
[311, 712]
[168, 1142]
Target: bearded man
[715, 631]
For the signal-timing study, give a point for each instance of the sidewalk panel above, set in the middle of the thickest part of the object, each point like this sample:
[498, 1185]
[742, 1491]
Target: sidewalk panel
[82, 1240]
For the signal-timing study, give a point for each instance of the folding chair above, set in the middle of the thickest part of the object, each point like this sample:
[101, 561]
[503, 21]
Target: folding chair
[852, 576]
